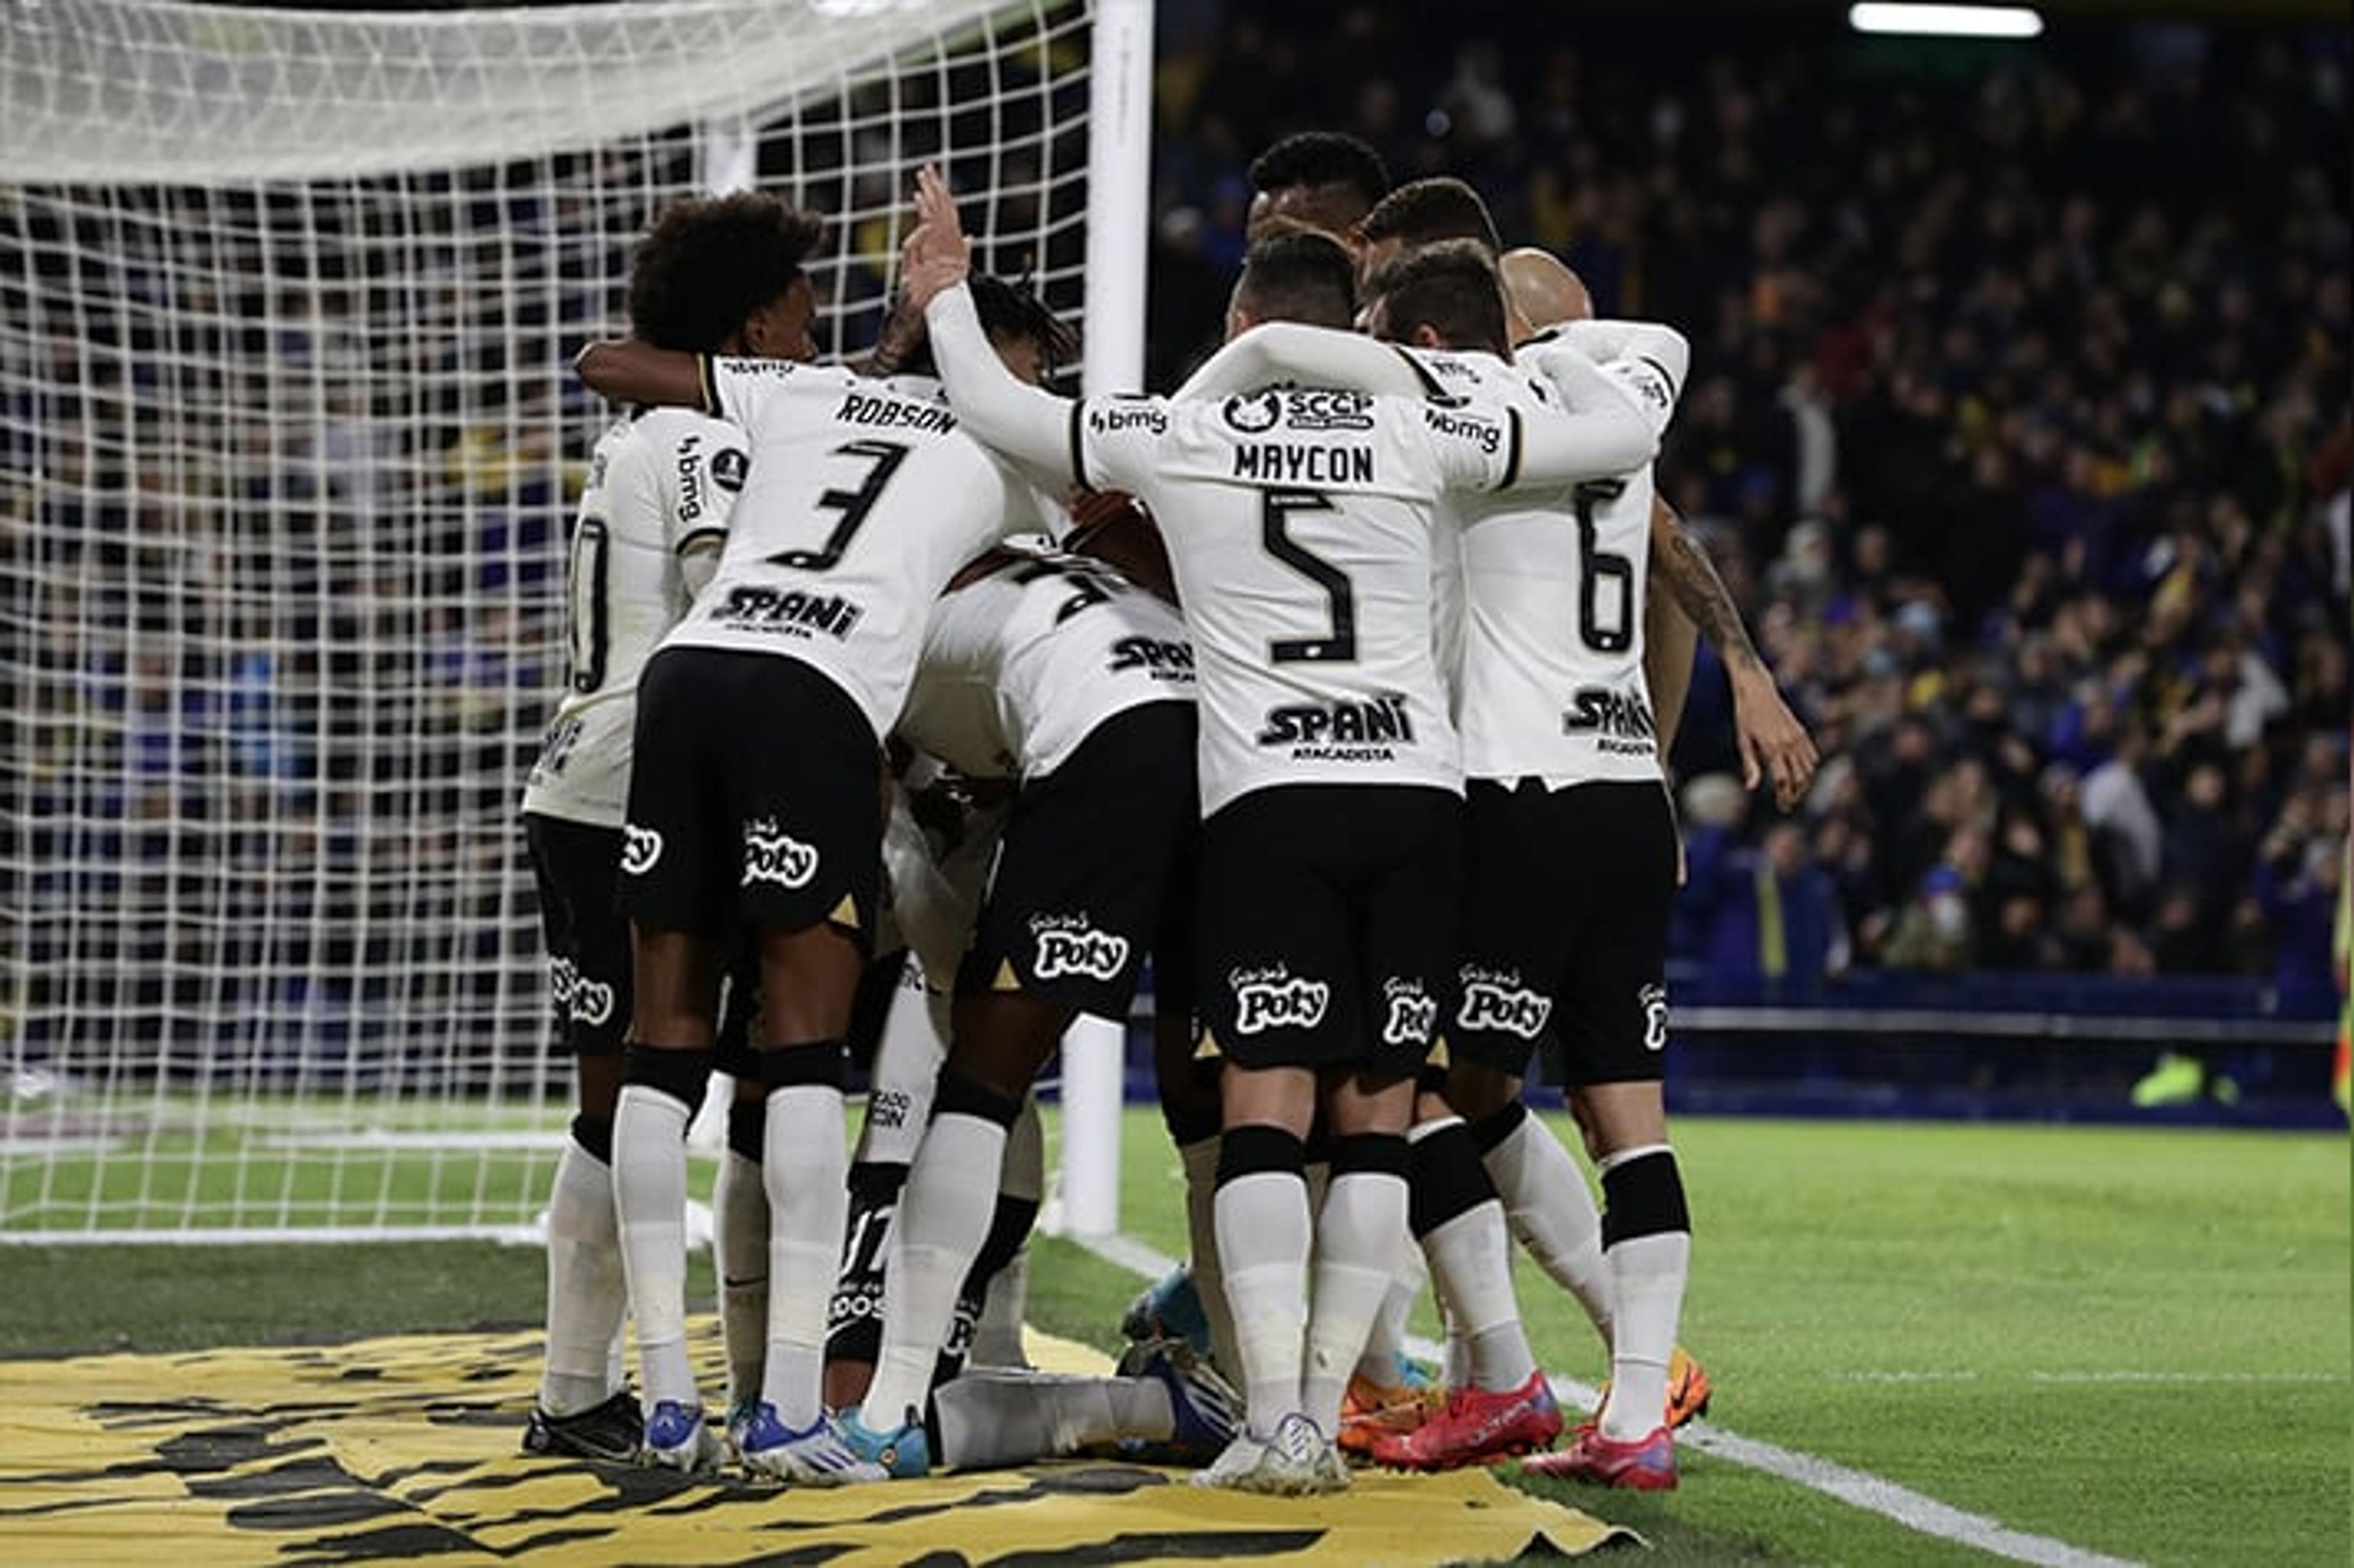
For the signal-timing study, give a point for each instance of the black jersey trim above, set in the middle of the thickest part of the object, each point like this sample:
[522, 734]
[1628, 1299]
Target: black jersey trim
[1512, 450]
[687, 544]
[1674, 391]
[706, 379]
[1078, 444]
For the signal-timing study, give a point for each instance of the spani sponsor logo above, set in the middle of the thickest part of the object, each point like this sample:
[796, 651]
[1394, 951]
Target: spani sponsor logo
[772, 855]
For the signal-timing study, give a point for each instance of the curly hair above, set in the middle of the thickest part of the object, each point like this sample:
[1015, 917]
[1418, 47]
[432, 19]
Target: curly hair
[1006, 311]
[710, 261]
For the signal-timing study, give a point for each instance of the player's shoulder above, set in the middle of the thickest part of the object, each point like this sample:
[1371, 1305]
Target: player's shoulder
[666, 429]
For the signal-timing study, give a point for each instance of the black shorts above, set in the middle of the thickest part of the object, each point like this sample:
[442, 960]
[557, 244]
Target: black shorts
[578, 867]
[1089, 864]
[1565, 929]
[755, 798]
[1327, 925]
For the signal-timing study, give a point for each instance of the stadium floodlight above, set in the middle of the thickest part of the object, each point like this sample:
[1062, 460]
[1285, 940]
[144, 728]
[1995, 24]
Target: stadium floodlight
[1947, 21]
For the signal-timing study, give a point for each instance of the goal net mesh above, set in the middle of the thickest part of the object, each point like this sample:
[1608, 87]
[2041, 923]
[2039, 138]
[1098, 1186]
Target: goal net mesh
[288, 442]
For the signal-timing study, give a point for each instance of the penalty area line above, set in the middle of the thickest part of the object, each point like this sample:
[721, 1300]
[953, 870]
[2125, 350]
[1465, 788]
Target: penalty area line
[1857, 1488]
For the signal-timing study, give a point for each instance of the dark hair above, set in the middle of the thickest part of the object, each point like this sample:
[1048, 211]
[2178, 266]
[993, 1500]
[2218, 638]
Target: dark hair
[1301, 276]
[1006, 311]
[1322, 158]
[1450, 287]
[1426, 211]
[710, 261]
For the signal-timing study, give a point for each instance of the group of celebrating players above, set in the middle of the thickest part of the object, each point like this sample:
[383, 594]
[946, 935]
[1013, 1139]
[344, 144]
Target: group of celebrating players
[1322, 685]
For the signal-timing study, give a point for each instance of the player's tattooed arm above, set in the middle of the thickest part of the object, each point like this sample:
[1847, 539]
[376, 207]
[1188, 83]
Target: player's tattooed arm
[902, 335]
[1774, 745]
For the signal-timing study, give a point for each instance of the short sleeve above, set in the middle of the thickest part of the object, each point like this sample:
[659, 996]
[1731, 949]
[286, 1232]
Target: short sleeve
[735, 389]
[1471, 449]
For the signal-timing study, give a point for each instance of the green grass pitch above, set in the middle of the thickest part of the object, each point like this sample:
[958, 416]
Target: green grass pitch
[2136, 1342]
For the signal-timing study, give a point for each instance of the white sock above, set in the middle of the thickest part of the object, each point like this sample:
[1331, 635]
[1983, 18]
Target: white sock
[1386, 1339]
[1357, 1233]
[1551, 1210]
[740, 1240]
[1472, 1258]
[586, 1296]
[997, 1333]
[943, 1218]
[991, 1417]
[1200, 1158]
[649, 1200]
[1264, 1236]
[1646, 1281]
[804, 1165]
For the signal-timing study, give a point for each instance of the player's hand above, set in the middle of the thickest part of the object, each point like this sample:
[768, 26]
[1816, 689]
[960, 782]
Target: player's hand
[937, 254]
[1774, 745]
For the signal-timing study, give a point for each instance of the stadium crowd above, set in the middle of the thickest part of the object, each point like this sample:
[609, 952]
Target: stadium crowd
[2019, 427]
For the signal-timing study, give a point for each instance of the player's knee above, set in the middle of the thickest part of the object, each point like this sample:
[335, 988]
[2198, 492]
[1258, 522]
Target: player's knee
[1643, 1196]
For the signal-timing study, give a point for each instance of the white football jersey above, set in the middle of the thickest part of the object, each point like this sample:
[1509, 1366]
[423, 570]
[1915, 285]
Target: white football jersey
[1021, 665]
[1548, 637]
[661, 485]
[863, 501]
[1298, 525]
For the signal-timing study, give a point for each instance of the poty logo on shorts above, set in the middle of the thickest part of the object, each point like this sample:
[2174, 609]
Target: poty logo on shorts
[772, 855]
[1413, 1015]
[1501, 1001]
[640, 847]
[584, 1001]
[1070, 945]
[1654, 999]
[1277, 999]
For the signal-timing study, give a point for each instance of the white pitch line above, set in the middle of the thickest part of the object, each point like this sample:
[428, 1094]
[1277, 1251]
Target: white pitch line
[1925, 1515]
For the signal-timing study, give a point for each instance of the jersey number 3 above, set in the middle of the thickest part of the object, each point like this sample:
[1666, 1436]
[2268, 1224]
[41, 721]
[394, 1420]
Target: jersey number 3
[883, 459]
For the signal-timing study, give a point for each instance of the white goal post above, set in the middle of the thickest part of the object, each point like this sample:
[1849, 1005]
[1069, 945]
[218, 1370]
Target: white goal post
[287, 445]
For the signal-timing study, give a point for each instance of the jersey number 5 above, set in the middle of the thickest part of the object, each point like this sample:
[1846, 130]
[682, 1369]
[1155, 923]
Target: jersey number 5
[884, 459]
[1276, 511]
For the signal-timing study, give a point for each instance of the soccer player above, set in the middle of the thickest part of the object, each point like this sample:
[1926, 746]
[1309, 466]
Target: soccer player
[759, 804]
[1323, 179]
[1050, 669]
[712, 276]
[1298, 526]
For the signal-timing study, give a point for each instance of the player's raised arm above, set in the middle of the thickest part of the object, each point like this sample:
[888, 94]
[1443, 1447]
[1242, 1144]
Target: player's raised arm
[995, 406]
[628, 371]
[1312, 355]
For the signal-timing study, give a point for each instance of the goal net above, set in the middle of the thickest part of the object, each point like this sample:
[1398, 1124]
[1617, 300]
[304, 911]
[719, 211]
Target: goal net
[287, 445]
